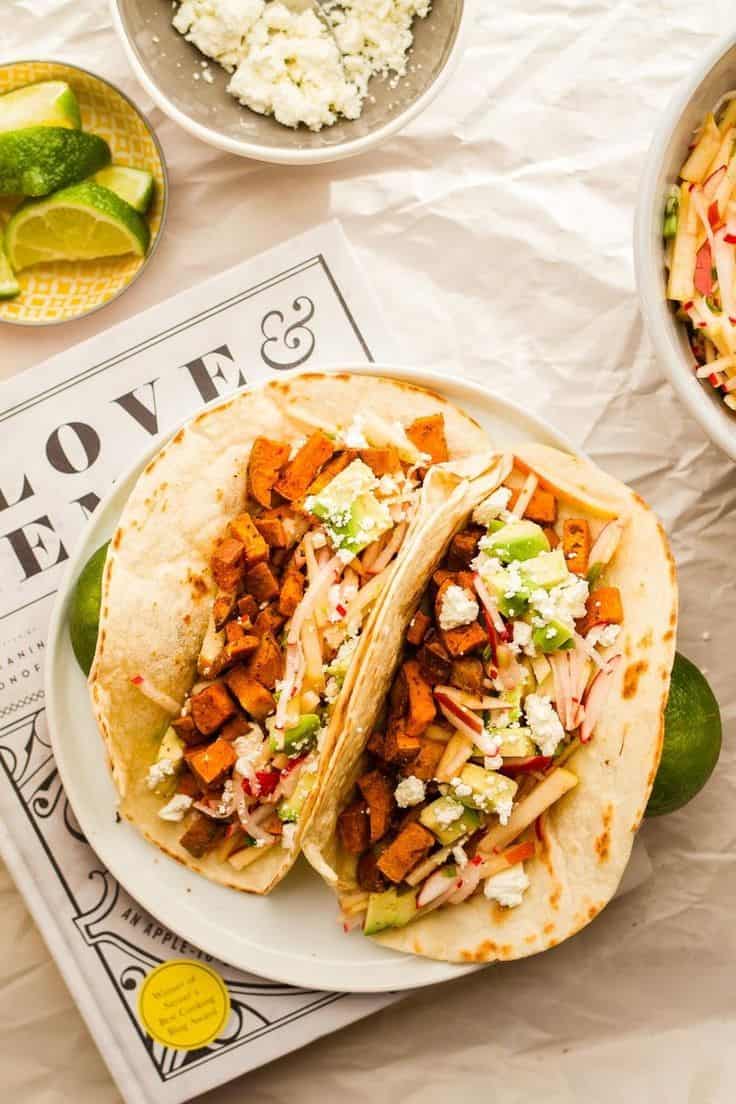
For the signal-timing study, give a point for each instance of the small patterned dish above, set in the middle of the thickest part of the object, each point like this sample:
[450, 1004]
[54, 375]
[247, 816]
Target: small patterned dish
[63, 290]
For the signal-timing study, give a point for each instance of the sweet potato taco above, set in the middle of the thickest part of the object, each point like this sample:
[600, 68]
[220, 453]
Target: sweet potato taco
[487, 809]
[238, 599]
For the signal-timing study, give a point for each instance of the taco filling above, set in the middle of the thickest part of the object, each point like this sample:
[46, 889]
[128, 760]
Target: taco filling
[296, 574]
[504, 674]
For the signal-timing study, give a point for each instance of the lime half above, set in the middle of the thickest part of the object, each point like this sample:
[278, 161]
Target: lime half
[40, 159]
[80, 223]
[48, 103]
[135, 186]
[692, 740]
[9, 286]
[84, 610]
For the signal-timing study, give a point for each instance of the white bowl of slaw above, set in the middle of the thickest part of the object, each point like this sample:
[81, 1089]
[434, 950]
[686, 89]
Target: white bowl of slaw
[686, 111]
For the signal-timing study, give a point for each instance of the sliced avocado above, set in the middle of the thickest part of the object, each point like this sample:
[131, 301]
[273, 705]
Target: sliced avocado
[352, 514]
[548, 569]
[171, 748]
[516, 742]
[487, 788]
[389, 910]
[552, 637]
[299, 738]
[512, 601]
[517, 540]
[289, 808]
[434, 816]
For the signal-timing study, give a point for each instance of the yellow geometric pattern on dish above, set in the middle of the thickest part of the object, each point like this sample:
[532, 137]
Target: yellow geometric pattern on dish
[69, 289]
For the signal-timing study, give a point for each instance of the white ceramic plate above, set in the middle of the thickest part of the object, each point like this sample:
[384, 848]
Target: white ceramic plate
[293, 935]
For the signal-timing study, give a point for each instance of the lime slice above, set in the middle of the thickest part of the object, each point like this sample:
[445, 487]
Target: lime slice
[692, 740]
[48, 103]
[9, 286]
[84, 609]
[135, 186]
[80, 223]
[38, 160]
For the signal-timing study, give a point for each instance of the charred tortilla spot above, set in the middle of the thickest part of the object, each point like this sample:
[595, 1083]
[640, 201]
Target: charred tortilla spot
[117, 539]
[531, 938]
[198, 585]
[646, 640]
[632, 674]
[593, 912]
[483, 953]
[554, 898]
[668, 635]
[549, 927]
[603, 846]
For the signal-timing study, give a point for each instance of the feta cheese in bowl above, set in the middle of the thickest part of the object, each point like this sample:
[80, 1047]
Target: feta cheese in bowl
[212, 113]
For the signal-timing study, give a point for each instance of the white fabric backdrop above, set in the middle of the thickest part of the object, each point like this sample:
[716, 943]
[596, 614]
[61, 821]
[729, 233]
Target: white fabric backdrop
[498, 231]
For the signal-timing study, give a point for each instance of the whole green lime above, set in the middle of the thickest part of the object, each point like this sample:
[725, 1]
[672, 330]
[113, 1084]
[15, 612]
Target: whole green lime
[84, 611]
[692, 740]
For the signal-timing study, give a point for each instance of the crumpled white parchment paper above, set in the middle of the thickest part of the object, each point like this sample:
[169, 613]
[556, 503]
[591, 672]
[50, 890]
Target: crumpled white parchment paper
[498, 230]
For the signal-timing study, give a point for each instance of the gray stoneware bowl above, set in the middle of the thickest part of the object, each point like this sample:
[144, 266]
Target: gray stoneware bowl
[714, 76]
[164, 63]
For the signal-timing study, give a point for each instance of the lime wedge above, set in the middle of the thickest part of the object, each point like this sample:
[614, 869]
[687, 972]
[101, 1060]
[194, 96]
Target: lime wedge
[80, 223]
[135, 186]
[84, 609]
[38, 160]
[9, 286]
[48, 103]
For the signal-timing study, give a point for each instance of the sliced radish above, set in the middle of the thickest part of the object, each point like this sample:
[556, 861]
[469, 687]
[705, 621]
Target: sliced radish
[703, 278]
[158, 697]
[513, 765]
[596, 698]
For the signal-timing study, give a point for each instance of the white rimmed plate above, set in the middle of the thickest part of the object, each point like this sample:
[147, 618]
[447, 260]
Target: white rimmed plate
[293, 935]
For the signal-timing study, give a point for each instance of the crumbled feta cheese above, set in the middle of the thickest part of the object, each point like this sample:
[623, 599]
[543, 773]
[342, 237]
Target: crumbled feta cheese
[545, 725]
[288, 836]
[226, 803]
[508, 887]
[410, 791]
[449, 813]
[218, 27]
[493, 762]
[353, 436]
[605, 635]
[462, 789]
[319, 539]
[492, 507]
[564, 603]
[458, 608]
[503, 808]
[176, 809]
[522, 638]
[460, 856]
[158, 772]
[388, 485]
[332, 689]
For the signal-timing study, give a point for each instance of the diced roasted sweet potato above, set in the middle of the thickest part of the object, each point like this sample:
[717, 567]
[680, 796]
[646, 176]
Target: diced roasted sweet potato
[260, 581]
[292, 592]
[273, 532]
[266, 665]
[464, 639]
[243, 528]
[576, 544]
[187, 784]
[418, 626]
[269, 620]
[376, 788]
[240, 643]
[402, 855]
[399, 746]
[235, 727]
[603, 607]
[223, 608]
[201, 835]
[421, 708]
[425, 764]
[370, 877]
[301, 471]
[353, 828]
[467, 674]
[267, 458]
[186, 730]
[428, 434]
[211, 707]
[228, 563]
[254, 698]
[435, 662]
[332, 468]
[542, 507]
[382, 461]
[442, 575]
[247, 608]
[464, 547]
[211, 763]
[377, 743]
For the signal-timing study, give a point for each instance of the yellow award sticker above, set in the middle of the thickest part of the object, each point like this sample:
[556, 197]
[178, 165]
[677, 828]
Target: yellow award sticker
[184, 1004]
